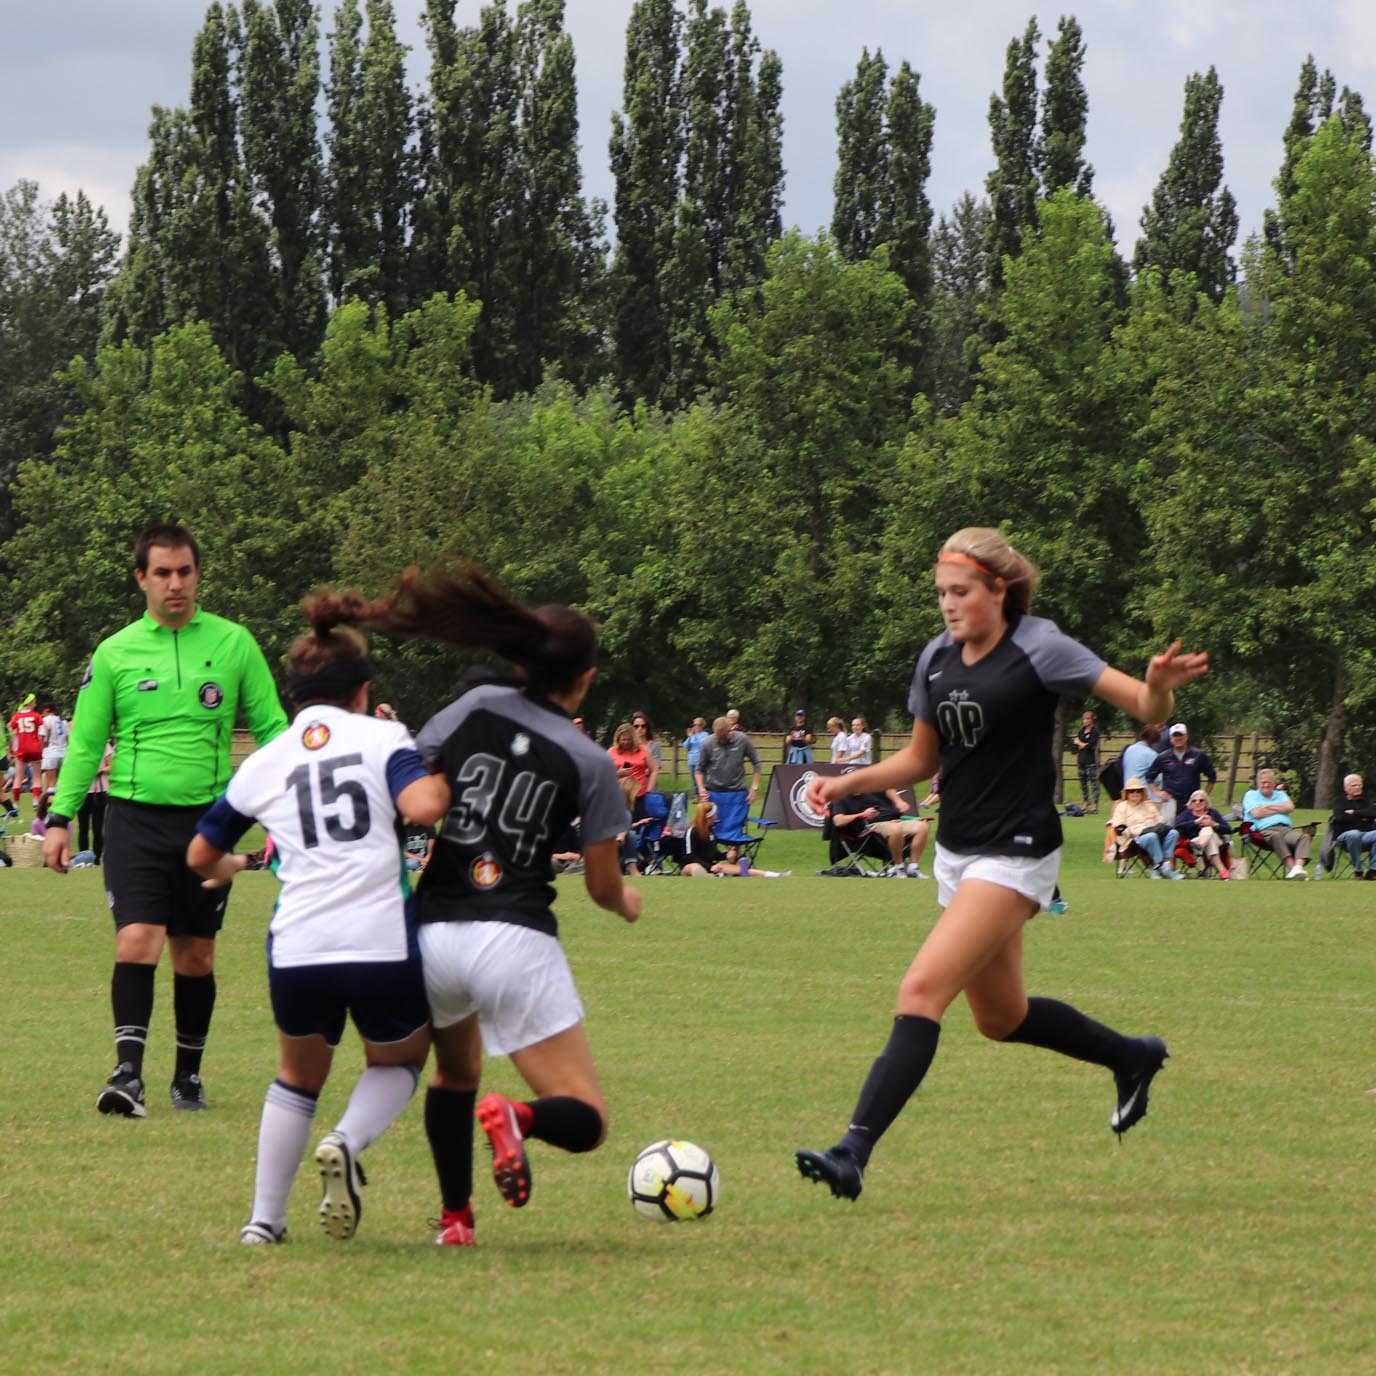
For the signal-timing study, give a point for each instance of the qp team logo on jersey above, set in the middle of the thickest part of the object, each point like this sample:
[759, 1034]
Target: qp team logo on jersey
[315, 735]
[485, 872]
[211, 695]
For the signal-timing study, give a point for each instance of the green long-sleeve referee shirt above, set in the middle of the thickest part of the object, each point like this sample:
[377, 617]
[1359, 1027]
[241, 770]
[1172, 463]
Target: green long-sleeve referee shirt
[169, 698]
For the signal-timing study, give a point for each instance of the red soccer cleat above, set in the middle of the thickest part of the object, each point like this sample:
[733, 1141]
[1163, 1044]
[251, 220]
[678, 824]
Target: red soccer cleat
[510, 1169]
[455, 1228]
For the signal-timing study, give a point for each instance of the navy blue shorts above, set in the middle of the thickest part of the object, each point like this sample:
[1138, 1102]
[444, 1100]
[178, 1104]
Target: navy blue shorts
[385, 999]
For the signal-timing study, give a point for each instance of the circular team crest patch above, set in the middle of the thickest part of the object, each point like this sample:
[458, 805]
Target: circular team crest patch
[211, 695]
[485, 872]
[315, 735]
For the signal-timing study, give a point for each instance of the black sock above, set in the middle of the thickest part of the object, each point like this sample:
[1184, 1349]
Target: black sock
[131, 998]
[1059, 1027]
[892, 1081]
[572, 1124]
[449, 1127]
[193, 1001]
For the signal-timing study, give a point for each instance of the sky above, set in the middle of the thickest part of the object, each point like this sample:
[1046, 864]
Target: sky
[78, 79]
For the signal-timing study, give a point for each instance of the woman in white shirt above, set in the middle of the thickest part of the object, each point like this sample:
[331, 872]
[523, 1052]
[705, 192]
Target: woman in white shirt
[858, 743]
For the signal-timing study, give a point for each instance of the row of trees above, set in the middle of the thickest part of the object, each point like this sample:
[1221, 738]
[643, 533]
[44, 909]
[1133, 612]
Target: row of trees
[751, 442]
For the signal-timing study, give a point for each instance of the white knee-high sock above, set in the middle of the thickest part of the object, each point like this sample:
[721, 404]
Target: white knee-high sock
[378, 1100]
[283, 1133]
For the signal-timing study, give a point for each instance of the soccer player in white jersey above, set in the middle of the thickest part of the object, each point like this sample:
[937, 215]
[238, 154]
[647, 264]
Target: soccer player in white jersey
[331, 791]
[984, 698]
[496, 975]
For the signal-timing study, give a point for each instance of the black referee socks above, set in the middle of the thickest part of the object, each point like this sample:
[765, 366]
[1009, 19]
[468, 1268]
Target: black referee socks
[131, 999]
[892, 1081]
[1059, 1027]
[193, 1001]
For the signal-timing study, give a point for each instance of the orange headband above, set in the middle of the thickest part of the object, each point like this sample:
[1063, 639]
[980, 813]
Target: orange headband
[951, 556]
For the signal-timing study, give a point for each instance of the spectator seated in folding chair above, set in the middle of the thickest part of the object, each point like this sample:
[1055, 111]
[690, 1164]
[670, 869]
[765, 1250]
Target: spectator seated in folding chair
[1135, 831]
[1350, 832]
[863, 854]
[1204, 837]
[880, 816]
[702, 854]
[647, 829]
[1267, 828]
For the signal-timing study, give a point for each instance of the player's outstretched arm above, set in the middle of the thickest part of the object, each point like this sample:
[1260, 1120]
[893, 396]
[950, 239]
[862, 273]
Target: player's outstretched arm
[919, 759]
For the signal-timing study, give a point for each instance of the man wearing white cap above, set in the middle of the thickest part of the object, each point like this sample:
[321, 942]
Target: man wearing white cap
[1181, 770]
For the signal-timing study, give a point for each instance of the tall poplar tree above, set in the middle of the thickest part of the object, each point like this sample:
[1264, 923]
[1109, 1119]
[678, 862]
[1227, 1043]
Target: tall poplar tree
[697, 162]
[646, 146]
[1014, 181]
[197, 248]
[1191, 223]
[960, 277]
[862, 158]
[1065, 110]
[280, 83]
[371, 173]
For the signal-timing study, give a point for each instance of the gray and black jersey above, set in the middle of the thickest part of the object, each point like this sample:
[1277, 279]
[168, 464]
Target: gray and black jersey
[520, 772]
[996, 720]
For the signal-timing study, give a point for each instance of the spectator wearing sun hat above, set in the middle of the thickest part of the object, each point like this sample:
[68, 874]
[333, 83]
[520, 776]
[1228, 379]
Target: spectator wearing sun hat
[798, 742]
[1181, 769]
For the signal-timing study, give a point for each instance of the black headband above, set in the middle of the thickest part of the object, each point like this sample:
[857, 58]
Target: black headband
[334, 683]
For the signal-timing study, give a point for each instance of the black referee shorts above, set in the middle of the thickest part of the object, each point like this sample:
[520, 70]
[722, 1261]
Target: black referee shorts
[146, 878]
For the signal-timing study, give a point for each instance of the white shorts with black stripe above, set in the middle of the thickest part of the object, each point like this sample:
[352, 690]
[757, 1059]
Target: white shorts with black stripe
[1032, 876]
[517, 981]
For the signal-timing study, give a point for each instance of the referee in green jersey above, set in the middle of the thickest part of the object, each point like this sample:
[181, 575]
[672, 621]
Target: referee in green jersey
[167, 690]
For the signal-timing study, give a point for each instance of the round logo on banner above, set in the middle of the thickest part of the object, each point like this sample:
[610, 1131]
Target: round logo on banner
[797, 800]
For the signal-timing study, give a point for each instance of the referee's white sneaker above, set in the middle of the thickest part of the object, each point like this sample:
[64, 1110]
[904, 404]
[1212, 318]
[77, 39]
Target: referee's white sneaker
[340, 1178]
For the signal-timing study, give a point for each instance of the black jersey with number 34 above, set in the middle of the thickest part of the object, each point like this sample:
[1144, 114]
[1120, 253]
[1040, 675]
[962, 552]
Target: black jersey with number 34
[996, 720]
[520, 772]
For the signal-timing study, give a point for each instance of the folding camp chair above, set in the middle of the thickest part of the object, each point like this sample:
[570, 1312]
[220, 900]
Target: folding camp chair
[1262, 861]
[865, 855]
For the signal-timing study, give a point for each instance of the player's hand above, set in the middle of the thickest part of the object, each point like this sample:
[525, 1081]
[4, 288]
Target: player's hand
[631, 901]
[1173, 668]
[57, 849]
[228, 867]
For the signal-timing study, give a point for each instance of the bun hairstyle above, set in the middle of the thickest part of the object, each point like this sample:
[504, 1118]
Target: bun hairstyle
[464, 605]
[992, 557]
[331, 660]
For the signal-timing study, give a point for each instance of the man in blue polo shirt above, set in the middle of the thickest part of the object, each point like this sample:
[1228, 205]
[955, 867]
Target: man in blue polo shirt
[1181, 770]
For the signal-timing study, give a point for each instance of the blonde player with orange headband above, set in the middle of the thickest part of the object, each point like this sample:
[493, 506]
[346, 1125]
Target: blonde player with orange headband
[984, 700]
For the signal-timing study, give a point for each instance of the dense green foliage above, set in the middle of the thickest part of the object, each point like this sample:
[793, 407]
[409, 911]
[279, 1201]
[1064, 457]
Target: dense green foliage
[358, 324]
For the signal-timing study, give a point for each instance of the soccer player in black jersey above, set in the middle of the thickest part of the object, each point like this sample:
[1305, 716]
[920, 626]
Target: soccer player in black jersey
[497, 978]
[984, 700]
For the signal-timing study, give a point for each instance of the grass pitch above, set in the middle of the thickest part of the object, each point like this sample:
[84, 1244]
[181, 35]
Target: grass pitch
[1002, 1228]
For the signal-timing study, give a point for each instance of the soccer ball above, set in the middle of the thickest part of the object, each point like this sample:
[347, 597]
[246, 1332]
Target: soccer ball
[672, 1181]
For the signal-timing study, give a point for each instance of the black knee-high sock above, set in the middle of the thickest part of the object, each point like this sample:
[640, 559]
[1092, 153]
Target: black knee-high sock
[193, 1001]
[1059, 1027]
[563, 1121]
[131, 998]
[892, 1081]
[449, 1128]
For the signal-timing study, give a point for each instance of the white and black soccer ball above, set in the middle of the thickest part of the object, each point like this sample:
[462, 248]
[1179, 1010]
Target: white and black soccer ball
[671, 1181]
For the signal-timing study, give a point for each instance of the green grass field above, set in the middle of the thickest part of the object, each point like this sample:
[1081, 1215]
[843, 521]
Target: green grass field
[1002, 1228]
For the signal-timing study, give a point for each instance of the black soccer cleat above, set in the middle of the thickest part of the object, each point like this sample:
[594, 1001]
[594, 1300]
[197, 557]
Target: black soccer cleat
[340, 1179]
[1133, 1085]
[123, 1094]
[188, 1093]
[835, 1168]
